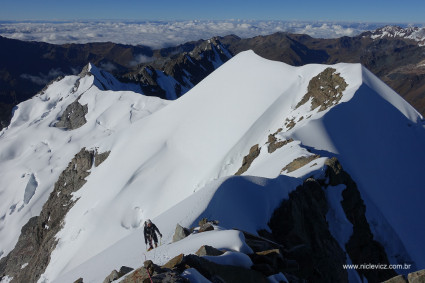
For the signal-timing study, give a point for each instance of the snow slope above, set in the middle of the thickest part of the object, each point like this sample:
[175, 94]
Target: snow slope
[33, 153]
[174, 162]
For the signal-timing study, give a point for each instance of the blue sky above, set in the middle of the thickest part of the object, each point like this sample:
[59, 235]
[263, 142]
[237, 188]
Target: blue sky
[395, 11]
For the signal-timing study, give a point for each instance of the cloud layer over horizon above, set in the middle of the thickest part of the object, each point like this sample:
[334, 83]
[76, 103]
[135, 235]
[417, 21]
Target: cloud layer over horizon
[158, 34]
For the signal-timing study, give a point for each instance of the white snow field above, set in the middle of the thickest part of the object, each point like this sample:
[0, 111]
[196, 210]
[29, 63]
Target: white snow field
[174, 162]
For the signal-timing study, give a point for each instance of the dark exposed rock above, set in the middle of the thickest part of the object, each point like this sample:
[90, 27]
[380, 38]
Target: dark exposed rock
[208, 250]
[199, 62]
[37, 239]
[301, 221]
[169, 277]
[79, 280]
[248, 159]
[180, 233]
[263, 268]
[124, 270]
[325, 89]
[299, 162]
[184, 65]
[259, 243]
[73, 117]
[226, 273]
[361, 247]
[417, 277]
[271, 262]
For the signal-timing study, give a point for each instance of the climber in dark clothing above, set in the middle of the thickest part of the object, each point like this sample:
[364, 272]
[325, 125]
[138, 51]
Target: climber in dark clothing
[149, 233]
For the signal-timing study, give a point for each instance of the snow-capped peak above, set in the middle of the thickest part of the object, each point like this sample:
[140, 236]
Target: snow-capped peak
[414, 33]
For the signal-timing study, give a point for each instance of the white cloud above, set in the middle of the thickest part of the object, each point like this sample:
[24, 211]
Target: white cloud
[108, 66]
[43, 79]
[139, 59]
[161, 34]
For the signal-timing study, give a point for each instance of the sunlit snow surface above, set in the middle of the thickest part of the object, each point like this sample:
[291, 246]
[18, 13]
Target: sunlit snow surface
[174, 163]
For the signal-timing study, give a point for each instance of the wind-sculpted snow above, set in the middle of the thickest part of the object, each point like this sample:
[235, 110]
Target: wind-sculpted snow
[173, 162]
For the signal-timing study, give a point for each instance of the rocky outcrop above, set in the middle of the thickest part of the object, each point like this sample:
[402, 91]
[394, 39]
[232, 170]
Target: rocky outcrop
[151, 272]
[37, 239]
[100, 157]
[85, 71]
[198, 63]
[300, 225]
[361, 247]
[208, 250]
[299, 162]
[184, 66]
[417, 277]
[265, 263]
[271, 262]
[73, 117]
[324, 90]
[254, 152]
[111, 277]
[114, 275]
[290, 123]
[180, 233]
[206, 225]
[172, 263]
[274, 143]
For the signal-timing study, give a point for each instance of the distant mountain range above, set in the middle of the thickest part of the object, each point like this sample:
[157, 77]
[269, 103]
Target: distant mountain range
[394, 54]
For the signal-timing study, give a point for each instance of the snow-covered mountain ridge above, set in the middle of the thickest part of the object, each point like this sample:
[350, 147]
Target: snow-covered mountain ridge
[414, 33]
[173, 162]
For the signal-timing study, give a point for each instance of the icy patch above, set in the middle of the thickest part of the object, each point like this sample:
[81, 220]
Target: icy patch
[30, 189]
